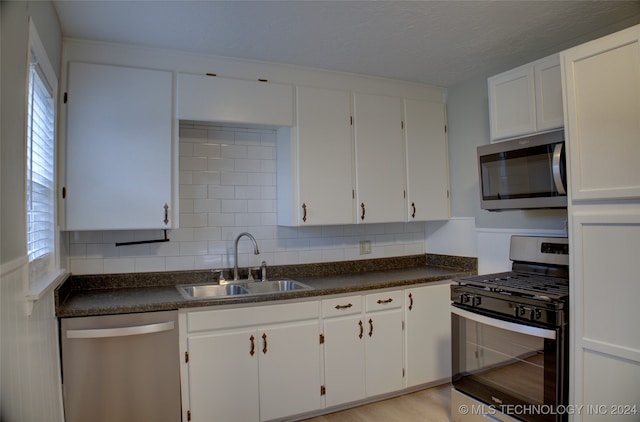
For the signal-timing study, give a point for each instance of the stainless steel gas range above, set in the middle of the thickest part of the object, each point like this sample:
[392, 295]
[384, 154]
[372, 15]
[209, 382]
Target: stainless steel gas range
[510, 336]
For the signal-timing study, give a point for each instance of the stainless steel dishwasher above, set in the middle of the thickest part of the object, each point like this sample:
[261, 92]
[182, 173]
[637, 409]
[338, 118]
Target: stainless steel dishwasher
[121, 368]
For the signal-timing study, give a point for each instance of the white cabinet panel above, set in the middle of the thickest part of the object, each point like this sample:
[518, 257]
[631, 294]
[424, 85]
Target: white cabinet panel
[512, 108]
[427, 158]
[548, 80]
[315, 161]
[118, 148]
[602, 94]
[218, 99]
[344, 362]
[223, 376]
[289, 369]
[610, 385]
[526, 99]
[427, 334]
[243, 365]
[383, 342]
[379, 159]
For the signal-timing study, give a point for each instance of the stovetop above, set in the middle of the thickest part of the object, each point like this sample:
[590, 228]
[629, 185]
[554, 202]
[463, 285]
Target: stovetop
[542, 287]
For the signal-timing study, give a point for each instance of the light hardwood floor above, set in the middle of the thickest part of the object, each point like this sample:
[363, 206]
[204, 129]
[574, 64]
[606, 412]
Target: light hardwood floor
[431, 405]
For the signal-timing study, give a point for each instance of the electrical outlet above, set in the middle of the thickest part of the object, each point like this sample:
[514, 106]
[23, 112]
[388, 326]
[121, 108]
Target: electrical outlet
[365, 247]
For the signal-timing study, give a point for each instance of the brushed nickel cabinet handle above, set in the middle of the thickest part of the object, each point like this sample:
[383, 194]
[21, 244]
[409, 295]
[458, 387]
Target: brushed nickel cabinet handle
[344, 306]
[166, 214]
[370, 327]
[380, 301]
[361, 329]
[264, 342]
[304, 213]
[413, 208]
[252, 339]
[363, 211]
[410, 301]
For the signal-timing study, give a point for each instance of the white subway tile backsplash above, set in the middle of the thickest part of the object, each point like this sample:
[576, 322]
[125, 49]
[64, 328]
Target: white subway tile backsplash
[228, 186]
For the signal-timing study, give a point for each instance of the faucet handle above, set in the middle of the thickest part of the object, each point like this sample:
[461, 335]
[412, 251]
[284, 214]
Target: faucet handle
[263, 271]
[220, 273]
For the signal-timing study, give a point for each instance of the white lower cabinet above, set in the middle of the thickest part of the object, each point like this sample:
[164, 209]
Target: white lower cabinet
[383, 343]
[250, 364]
[269, 362]
[363, 346]
[427, 334]
[344, 365]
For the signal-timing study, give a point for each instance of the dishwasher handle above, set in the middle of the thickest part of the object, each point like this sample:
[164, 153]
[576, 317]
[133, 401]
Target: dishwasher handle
[123, 331]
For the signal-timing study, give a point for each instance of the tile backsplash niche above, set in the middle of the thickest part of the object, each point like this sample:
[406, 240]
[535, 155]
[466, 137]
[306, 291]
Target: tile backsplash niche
[228, 186]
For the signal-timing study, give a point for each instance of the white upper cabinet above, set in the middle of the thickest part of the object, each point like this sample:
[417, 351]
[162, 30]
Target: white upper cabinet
[118, 148]
[380, 170]
[526, 99]
[315, 161]
[217, 99]
[427, 158]
[602, 94]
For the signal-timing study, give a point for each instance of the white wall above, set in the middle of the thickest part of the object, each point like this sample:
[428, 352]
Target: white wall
[227, 186]
[29, 375]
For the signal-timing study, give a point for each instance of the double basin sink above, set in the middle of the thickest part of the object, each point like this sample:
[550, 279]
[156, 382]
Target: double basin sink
[239, 288]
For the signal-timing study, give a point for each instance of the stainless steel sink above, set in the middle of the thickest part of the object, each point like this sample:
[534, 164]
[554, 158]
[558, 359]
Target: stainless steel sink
[275, 286]
[204, 291]
[238, 288]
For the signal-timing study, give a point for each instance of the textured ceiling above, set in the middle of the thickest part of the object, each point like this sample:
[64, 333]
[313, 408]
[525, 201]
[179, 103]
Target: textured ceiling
[435, 42]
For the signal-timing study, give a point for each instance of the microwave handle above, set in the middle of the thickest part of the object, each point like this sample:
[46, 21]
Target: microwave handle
[505, 325]
[555, 167]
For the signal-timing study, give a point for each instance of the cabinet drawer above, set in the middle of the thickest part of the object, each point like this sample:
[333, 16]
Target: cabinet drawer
[384, 300]
[341, 306]
[258, 315]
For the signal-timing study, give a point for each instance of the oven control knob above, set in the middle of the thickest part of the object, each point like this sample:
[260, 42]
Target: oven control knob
[523, 310]
[465, 298]
[536, 314]
[477, 300]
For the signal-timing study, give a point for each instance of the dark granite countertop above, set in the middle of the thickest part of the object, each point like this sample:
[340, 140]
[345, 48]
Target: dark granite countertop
[145, 292]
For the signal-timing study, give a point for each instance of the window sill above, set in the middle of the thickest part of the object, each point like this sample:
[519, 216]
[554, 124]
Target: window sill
[39, 288]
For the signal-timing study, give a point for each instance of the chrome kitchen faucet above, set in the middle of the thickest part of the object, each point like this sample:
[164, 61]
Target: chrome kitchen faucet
[235, 253]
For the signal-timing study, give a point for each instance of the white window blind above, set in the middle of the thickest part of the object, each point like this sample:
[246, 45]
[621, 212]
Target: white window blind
[40, 171]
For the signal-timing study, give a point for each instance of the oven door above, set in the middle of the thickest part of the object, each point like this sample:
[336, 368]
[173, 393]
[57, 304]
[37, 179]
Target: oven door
[516, 368]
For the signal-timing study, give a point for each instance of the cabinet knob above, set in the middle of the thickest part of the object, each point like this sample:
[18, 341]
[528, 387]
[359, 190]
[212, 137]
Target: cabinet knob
[264, 343]
[363, 210]
[413, 210]
[304, 213]
[253, 345]
[361, 329]
[370, 327]
[410, 301]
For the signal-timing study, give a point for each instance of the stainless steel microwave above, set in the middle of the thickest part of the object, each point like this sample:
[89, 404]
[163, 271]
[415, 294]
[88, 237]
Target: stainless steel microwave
[524, 173]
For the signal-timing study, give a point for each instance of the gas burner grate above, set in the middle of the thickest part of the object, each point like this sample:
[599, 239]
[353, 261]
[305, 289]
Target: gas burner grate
[521, 283]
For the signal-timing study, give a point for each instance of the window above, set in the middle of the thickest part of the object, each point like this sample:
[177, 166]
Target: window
[40, 164]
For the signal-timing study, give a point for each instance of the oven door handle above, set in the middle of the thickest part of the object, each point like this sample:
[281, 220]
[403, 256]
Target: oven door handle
[557, 170]
[505, 325]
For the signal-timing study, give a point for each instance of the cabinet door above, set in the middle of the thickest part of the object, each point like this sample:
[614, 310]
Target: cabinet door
[217, 99]
[379, 159]
[427, 156]
[512, 107]
[548, 81]
[427, 334]
[223, 376]
[383, 353]
[602, 94]
[325, 154]
[289, 369]
[606, 360]
[344, 359]
[118, 148]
